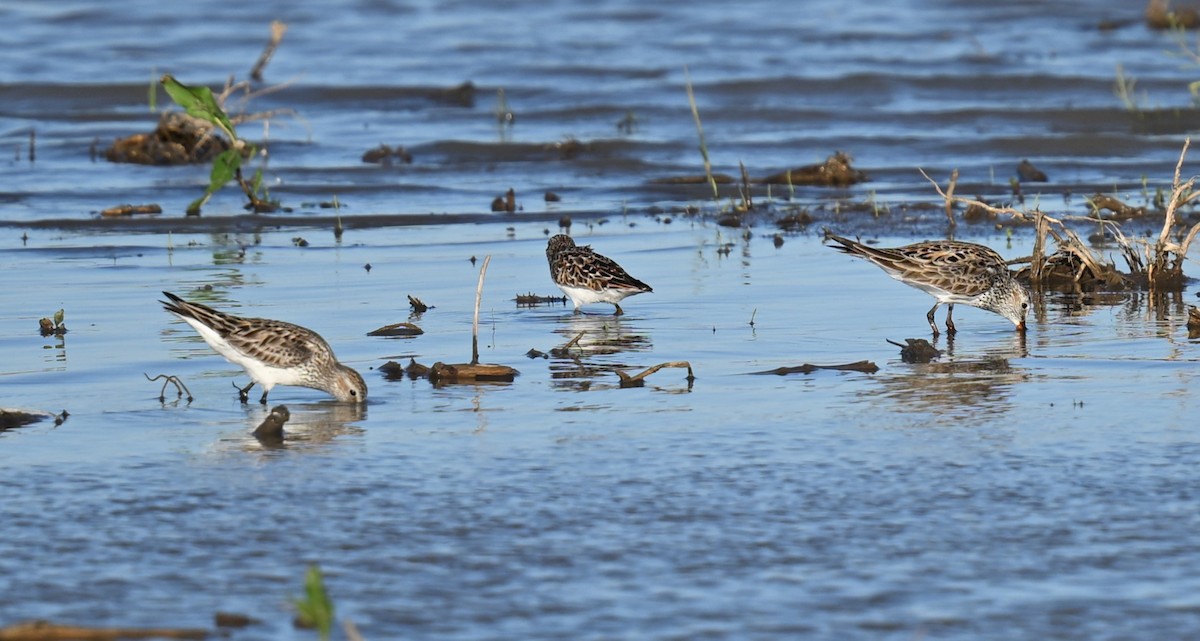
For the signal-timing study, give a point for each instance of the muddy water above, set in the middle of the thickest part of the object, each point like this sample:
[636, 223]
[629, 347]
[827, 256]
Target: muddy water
[1038, 487]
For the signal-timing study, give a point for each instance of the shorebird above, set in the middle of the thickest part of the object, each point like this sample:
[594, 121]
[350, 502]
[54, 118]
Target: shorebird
[952, 272]
[587, 277]
[272, 352]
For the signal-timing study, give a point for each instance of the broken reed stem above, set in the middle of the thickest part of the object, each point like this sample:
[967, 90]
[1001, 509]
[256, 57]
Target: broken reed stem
[1181, 194]
[950, 199]
[478, 298]
[278, 28]
[626, 379]
[571, 343]
[700, 131]
[747, 199]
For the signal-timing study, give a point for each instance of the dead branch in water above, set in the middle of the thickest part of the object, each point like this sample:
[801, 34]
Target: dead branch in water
[1157, 267]
[47, 631]
[637, 380]
[1164, 261]
[866, 367]
[180, 388]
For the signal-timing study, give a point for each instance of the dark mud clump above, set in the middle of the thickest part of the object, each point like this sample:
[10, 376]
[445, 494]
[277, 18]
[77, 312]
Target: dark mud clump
[179, 139]
[836, 171]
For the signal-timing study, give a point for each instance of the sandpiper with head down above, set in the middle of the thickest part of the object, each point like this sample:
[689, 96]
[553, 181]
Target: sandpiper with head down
[952, 272]
[587, 277]
[272, 352]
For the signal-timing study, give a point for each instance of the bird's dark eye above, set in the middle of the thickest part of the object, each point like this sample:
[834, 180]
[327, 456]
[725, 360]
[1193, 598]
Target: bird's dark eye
[354, 392]
[1024, 305]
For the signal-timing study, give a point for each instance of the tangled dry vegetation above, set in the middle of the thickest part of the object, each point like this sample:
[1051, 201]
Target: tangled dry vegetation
[1155, 264]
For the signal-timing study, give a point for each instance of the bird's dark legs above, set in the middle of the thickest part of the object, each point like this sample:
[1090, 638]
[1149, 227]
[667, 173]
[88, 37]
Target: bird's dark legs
[619, 310]
[932, 324]
[950, 321]
[244, 392]
[263, 400]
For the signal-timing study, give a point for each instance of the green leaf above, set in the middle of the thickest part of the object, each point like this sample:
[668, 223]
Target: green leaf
[315, 609]
[224, 168]
[199, 103]
[58, 317]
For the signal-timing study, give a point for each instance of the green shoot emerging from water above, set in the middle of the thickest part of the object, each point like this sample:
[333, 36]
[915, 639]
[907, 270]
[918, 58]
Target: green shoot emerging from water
[315, 609]
[200, 103]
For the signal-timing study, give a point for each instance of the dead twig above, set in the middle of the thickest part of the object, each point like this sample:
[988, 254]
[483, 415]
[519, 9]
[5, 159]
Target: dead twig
[278, 28]
[866, 367]
[47, 631]
[637, 380]
[180, 388]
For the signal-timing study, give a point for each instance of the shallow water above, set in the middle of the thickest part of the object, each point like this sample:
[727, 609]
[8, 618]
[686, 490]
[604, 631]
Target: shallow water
[1035, 487]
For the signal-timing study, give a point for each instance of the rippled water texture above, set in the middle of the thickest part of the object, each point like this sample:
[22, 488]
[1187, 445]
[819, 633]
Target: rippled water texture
[1038, 487]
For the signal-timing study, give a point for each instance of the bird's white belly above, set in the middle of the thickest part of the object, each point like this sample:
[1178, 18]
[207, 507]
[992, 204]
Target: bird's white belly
[584, 296]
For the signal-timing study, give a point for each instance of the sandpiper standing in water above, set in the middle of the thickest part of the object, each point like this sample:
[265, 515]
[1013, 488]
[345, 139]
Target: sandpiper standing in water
[272, 352]
[587, 277]
[952, 272]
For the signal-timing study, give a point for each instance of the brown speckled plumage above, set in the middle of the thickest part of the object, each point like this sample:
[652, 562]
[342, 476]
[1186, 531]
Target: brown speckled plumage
[588, 277]
[952, 272]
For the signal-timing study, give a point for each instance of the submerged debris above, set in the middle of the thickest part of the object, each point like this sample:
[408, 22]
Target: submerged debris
[506, 203]
[129, 210]
[397, 329]
[867, 367]
[440, 373]
[1028, 173]
[386, 154]
[533, 300]
[179, 139]
[638, 380]
[917, 350]
[169, 379]
[1193, 322]
[271, 429]
[47, 631]
[47, 327]
[836, 171]
[10, 418]
[417, 306]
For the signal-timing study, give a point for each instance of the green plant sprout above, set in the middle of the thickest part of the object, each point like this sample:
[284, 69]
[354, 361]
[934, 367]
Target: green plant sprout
[315, 609]
[200, 103]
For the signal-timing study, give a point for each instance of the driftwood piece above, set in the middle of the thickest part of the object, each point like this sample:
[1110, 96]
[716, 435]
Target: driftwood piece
[470, 372]
[47, 631]
[638, 380]
[397, 329]
[532, 300]
[129, 210]
[916, 350]
[866, 367]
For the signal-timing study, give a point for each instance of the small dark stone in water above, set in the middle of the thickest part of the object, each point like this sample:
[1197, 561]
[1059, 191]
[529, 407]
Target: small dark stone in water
[552, 197]
[1030, 174]
[271, 429]
[778, 240]
[472, 260]
[233, 620]
[564, 222]
[299, 242]
[917, 350]
[497, 204]
[367, 267]
[533, 353]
